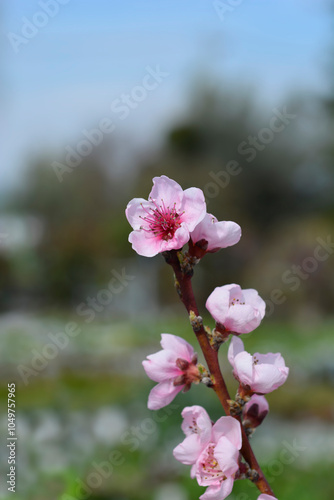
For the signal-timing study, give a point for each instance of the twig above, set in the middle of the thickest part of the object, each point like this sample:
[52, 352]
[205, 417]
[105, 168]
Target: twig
[186, 294]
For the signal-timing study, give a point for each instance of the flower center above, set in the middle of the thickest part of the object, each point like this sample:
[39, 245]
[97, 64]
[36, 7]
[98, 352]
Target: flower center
[194, 428]
[190, 372]
[210, 469]
[235, 301]
[255, 361]
[162, 221]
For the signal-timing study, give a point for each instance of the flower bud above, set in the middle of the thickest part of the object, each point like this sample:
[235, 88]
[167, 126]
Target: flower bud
[255, 411]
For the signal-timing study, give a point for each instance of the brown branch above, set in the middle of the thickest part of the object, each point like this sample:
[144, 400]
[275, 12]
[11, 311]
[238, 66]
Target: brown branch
[185, 290]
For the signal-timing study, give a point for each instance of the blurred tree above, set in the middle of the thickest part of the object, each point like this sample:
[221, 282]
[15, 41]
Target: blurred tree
[271, 188]
[266, 189]
[81, 227]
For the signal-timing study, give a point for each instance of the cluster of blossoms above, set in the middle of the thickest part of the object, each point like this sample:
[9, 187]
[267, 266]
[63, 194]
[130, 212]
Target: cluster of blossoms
[212, 450]
[170, 219]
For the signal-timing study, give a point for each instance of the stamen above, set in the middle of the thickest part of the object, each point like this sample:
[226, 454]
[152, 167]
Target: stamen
[210, 466]
[162, 221]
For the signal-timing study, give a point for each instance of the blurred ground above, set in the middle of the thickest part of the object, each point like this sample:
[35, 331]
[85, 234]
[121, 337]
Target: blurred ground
[85, 412]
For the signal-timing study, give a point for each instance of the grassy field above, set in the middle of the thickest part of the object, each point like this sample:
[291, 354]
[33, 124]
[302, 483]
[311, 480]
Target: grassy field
[84, 430]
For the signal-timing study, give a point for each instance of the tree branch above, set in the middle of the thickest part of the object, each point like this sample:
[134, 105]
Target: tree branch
[185, 290]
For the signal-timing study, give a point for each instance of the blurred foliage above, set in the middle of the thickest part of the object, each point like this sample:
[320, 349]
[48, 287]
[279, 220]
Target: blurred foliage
[62, 435]
[282, 198]
[82, 232]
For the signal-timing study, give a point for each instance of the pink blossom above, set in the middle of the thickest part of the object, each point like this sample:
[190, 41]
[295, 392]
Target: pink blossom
[213, 235]
[264, 496]
[237, 310]
[212, 450]
[165, 221]
[255, 411]
[260, 373]
[174, 368]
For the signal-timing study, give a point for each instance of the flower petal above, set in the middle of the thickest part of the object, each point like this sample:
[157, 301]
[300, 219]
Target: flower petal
[189, 450]
[144, 244]
[236, 346]
[228, 427]
[162, 366]
[180, 238]
[253, 298]
[194, 206]
[219, 491]
[242, 318]
[227, 456]
[166, 191]
[271, 359]
[223, 234]
[244, 368]
[178, 345]
[267, 378]
[136, 210]
[193, 472]
[218, 304]
[196, 420]
[203, 228]
[218, 234]
[162, 394]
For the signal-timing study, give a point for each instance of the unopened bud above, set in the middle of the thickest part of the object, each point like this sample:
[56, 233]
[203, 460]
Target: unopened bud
[255, 411]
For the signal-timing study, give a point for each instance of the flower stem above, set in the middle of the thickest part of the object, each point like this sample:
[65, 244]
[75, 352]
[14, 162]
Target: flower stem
[186, 294]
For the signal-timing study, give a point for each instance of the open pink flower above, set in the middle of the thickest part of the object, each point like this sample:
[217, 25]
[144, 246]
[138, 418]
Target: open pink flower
[165, 221]
[255, 411]
[213, 235]
[174, 368]
[239, 311]
[260, 373]
[264, 496]
[212, 450]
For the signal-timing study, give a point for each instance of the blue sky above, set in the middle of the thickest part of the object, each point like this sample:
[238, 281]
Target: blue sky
[65, 78]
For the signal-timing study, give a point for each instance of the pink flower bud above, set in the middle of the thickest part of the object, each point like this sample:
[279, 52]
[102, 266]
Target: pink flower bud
[238, 311]
[255, 411]
[260, 373]
[212, 235]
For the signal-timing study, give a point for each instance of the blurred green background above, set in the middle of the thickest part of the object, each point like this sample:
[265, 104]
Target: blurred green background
[246, 114]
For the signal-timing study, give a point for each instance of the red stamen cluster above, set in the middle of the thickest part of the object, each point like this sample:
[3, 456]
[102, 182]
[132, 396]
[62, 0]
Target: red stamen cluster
[162, 221]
